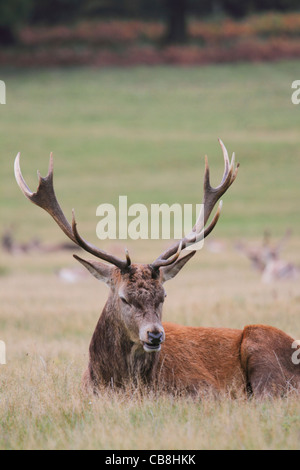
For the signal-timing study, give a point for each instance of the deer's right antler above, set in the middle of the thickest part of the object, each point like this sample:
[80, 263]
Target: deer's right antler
[45, 198]
[210, 198]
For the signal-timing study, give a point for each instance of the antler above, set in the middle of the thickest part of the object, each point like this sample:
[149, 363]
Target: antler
[210, 198]
[45, 198]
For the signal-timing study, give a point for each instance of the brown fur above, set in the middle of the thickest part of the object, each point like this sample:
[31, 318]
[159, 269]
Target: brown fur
[266, 357]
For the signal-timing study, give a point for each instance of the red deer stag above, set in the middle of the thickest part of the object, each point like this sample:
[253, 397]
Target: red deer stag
[130, 342]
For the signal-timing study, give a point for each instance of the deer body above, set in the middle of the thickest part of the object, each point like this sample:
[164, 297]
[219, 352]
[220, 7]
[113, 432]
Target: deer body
[198, 359]
[130, 342]
[208, 360]
[191, 359]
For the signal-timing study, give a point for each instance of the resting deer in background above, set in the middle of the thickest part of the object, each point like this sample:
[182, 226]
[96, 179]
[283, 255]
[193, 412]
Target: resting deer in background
[266, 259]
[130, 342]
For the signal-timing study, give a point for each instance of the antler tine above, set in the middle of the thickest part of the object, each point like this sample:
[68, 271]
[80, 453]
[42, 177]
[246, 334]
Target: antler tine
[19, 177]
[159, 262]
[128, 260]
[211, 195]
[196, 236]
[226, 160]
[210, 198]
[45, 198]
[96, 251]
[214, 221]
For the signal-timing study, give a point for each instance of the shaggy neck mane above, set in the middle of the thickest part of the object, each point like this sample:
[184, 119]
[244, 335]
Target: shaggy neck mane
[114, 357]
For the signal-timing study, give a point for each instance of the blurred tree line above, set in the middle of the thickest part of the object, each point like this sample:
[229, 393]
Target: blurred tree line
[14, 13]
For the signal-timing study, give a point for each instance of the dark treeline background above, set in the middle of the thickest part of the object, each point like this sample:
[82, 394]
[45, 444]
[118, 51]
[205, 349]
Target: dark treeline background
[14, 13]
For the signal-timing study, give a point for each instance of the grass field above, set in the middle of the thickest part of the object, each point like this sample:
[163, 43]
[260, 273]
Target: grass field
[143, 132]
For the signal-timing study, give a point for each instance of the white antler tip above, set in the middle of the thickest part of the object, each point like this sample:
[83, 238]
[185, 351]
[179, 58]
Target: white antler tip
[74, 223]
[128, 260]
[222, 144]
[17, 160]
[19, 178]
[232, 160]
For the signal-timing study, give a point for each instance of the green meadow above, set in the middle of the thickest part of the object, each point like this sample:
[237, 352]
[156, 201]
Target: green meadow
[143, 132]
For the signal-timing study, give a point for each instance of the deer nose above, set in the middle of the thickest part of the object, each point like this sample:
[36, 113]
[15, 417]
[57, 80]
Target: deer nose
[155, 338]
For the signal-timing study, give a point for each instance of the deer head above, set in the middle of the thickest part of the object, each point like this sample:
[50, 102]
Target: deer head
[136, 290]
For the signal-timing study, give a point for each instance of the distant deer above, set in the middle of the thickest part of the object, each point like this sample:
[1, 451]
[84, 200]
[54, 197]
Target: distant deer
[266, 259]
[130, 342]
[10, 246]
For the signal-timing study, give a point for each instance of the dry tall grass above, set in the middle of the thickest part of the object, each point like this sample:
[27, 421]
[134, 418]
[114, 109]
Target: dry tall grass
[47, 325]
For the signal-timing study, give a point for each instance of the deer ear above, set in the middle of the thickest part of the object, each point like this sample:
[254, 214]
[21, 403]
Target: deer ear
[101, 271]
[168, 272]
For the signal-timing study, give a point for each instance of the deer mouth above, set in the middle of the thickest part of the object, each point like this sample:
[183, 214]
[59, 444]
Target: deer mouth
[151, 347]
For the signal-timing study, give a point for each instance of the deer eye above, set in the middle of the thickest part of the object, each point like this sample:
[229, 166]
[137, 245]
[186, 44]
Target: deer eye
[124, 300]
